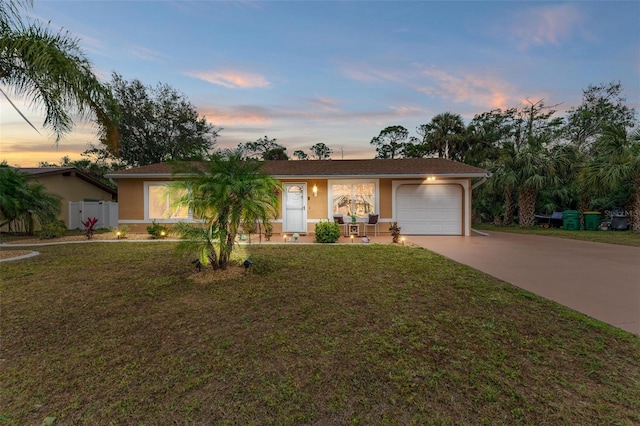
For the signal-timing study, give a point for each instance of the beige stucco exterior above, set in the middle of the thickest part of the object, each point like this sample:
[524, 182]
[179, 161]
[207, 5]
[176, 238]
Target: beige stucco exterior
[72, 188]
[131, 194]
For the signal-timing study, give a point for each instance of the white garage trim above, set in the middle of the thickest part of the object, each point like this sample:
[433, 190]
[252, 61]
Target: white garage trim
[441, 211]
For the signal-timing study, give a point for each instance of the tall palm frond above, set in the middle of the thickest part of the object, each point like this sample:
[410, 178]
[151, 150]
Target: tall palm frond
[51, 71]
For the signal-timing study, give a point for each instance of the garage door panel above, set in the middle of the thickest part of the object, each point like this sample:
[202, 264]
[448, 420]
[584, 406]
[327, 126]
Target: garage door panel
[429, 209]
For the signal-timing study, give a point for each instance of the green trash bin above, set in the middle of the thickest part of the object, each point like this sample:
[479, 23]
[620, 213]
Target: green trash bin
[591, 221]
[571, 220]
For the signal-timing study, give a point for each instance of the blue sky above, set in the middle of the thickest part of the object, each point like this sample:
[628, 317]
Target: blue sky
[338, 72]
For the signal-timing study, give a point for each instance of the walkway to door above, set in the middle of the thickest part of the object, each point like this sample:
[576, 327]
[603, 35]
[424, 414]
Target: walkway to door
[599, 280]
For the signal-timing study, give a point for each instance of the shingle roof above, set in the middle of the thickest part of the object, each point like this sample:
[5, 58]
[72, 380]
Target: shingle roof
[48, 171]
[336, 168]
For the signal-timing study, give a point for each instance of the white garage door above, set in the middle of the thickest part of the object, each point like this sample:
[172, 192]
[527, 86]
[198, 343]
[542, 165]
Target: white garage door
[429, 209]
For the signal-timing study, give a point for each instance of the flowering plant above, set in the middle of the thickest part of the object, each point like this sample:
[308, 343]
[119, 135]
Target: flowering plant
[89, 226]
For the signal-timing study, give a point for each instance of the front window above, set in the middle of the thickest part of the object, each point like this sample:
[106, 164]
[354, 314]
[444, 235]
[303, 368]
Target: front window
[349, 198]
[160, 203]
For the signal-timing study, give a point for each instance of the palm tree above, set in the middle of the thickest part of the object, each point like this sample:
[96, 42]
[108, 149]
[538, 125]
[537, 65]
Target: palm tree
[445, 136]
[616, 163]
[50, 70]
[226, 191]
[23, 203]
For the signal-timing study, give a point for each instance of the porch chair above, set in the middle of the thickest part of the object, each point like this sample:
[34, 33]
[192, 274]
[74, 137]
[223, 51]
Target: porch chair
[373, 221]
[339, 219]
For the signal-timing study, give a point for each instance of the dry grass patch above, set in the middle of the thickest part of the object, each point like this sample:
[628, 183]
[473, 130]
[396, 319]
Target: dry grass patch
[366, 334]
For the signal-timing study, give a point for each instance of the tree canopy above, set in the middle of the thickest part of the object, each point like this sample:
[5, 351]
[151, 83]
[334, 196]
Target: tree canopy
[157, 123]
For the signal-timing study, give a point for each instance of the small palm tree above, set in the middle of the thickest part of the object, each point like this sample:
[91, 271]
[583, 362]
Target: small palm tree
[226, 191]
[51, 70]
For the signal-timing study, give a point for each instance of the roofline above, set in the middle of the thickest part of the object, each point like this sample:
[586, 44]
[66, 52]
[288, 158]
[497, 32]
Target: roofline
[343, 176]
[78, 173]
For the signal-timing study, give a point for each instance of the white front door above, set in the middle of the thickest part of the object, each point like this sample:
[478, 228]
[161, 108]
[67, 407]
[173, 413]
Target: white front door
[294, 215]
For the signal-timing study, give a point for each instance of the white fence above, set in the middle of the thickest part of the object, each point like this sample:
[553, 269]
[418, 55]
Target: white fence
[105, 211]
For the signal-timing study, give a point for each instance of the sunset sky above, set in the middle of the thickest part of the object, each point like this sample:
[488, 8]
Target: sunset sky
[338, 72]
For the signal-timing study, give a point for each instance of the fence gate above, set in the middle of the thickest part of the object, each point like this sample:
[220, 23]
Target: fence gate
[105, 211]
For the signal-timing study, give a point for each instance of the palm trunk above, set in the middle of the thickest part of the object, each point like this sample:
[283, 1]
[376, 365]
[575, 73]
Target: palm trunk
[509, 205]
[527, 203]
[635, 210]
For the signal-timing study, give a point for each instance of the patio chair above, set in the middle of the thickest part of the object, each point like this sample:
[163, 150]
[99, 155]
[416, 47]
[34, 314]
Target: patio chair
[339, 219]
[373, 221]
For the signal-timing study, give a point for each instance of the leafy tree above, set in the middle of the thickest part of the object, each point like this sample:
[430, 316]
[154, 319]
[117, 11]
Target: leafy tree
[157, 124]
[616, 165]
[24, 203]
[444, 136]
[300, 155]
[50, 70]
[225, 191]
[390, 142]
[603, 106]
[264, 148]
[321, 151]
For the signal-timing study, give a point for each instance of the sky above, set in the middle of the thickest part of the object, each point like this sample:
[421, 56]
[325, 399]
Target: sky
[338, 72]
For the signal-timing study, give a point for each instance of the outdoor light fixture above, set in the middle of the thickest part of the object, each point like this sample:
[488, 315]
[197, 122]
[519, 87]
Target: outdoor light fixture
[431, 178]
[352, 238]
[402, 239]
[284, 237]
[118, 234]
[315, 190]
[163, 234]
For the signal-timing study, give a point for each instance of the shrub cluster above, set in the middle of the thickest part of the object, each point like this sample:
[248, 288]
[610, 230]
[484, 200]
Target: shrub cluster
[157, 230]
[52, 229]
[327, 232]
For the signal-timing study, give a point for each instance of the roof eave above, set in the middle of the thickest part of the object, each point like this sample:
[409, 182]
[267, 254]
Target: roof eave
[319, 176]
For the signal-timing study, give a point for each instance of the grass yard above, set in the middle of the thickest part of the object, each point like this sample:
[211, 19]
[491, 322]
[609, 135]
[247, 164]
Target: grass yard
[124, 333]
[625, 238]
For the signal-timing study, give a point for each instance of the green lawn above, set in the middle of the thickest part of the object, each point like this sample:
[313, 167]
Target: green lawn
[123, 333]
[626, 238]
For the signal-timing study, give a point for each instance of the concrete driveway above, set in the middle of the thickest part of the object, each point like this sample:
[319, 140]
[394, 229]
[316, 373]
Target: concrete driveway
[599, 280]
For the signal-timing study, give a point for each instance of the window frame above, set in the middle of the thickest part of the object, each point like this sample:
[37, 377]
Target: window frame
[376, 193]
[147, 186]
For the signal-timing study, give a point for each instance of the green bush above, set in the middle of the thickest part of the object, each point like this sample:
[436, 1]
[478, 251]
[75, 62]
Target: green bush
[53, 229]
[157, 230]
[327, 232]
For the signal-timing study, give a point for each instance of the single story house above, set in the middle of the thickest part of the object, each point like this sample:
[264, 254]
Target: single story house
[71, 185]
[426, 196]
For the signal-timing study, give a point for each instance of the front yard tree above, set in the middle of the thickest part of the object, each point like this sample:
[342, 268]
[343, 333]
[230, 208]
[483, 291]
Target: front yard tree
[226, 191]
[51, 71]
[157, 124]
[321, 151]
[390, 142]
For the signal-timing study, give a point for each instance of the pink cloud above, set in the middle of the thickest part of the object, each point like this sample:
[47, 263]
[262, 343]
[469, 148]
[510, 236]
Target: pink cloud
[478, 90]
[325, 104]
[240, 115]
[232, 79]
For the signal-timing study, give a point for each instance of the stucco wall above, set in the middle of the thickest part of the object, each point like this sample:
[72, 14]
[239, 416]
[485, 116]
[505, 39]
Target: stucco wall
[71, 188]
[131, 203]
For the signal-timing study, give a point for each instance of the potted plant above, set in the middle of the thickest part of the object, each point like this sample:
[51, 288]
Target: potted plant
[395, 231]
